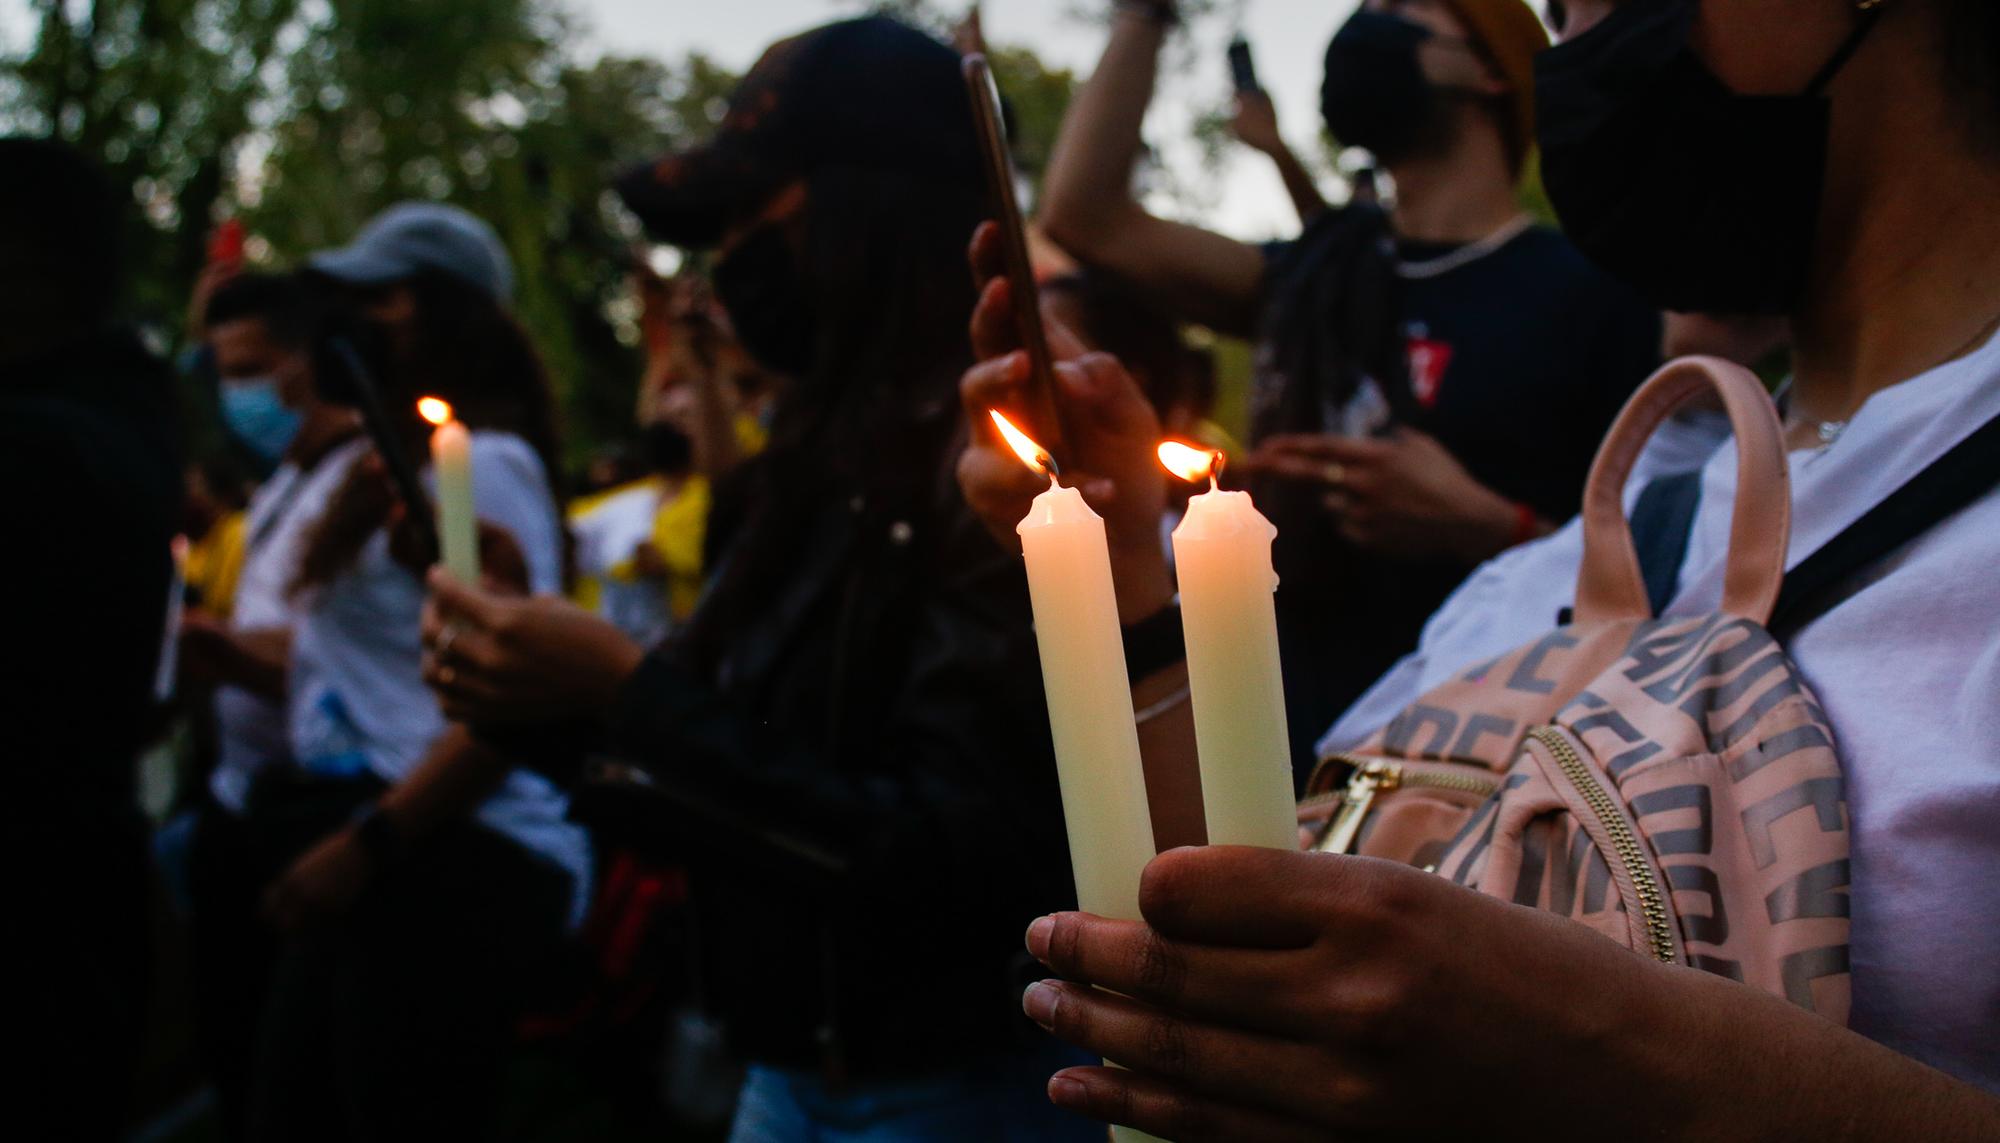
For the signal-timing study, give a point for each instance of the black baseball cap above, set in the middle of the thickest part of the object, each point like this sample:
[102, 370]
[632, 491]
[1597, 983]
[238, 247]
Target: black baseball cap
[872, 93]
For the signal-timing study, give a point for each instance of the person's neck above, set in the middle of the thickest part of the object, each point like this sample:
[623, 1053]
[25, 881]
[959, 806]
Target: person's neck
[324, 428]
[1458, 196]
[1907, 275]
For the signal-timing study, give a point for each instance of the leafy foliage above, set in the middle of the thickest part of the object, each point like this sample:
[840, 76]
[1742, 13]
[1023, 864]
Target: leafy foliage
[305, 117]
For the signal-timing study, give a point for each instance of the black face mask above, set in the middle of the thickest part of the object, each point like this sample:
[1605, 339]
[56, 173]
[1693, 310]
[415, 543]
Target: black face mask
[1702, 199]
[1375, 94]
[760, 285]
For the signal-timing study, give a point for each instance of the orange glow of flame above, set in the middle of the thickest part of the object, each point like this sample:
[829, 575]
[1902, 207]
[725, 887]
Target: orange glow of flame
[1024, 446]
[1188, 462]
[433, 409]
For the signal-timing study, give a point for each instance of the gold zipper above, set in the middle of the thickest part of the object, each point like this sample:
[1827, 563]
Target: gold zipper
[1624, 840]
[1372, 777]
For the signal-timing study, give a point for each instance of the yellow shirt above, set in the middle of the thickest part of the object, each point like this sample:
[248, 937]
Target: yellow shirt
[680, 527]
[215, 561]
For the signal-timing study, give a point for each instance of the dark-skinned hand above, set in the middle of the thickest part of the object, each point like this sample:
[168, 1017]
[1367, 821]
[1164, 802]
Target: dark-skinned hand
[1113, 433]
[494, 658]
[1270, 995]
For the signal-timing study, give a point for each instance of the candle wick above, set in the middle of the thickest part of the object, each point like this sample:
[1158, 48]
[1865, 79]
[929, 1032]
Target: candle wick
[1215, 470]
[1049, 466]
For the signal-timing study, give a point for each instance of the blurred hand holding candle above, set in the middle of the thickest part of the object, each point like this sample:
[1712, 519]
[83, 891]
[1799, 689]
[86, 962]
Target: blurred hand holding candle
[1089, 697]
[1222, 555]
[451, 462]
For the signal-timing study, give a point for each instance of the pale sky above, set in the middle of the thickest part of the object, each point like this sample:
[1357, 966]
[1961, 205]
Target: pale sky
[1288, 38]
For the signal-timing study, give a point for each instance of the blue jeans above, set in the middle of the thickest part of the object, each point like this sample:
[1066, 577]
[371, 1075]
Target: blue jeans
[1003, 1099]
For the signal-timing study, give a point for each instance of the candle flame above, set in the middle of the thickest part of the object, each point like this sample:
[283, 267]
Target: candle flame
[1188, 462]
[433, 409]
[1024, 446]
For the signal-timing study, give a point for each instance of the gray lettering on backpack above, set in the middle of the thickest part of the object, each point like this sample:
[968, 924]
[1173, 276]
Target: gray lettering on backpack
[1526, 677]
[1668, 843]
[1800, 969]
[1821, 794]
[1818, 892]
[1712, 929]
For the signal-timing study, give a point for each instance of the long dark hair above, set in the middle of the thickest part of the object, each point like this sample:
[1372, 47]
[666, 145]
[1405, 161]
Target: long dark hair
[468, 350]
[883, 264]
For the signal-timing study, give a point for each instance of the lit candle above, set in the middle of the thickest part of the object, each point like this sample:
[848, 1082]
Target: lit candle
[1090, 699]
[1103, 781]
[451, 462]
[1222, 556]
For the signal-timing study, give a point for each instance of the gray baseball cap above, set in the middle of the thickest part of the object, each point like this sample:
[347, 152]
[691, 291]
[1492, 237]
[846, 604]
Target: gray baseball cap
[414, 236]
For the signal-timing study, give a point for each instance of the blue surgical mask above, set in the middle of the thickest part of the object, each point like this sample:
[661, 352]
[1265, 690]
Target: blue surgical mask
[258, 417]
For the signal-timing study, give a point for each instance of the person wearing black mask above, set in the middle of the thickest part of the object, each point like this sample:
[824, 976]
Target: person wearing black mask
[1283, 996]
[851, 725]
[1402, 357]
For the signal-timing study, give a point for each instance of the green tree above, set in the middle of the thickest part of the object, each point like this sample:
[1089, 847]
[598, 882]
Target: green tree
[305, 119]
[161, 92]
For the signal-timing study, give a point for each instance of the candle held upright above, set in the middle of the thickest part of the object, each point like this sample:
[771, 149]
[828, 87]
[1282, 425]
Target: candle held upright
[1089, 696]
[451, 464]
[1222, 556]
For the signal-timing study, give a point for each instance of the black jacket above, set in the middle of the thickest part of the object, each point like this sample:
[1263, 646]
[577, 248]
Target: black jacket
[92, 500]
[883, 710]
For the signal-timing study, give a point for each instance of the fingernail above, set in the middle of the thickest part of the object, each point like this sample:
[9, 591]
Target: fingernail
[1067, 1092]
[1100, 490]
[1038, 938]
[1039, 1001]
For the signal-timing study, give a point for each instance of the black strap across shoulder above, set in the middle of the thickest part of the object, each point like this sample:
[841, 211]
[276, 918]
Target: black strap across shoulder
[1951, 482]
[1663, 519]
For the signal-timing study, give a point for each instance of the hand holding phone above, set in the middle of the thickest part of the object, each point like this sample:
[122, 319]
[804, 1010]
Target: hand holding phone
[1242, 72]
[1041, 413]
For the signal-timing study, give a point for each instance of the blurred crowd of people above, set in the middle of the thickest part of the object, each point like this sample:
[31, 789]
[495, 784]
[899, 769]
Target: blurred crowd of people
[731, 776]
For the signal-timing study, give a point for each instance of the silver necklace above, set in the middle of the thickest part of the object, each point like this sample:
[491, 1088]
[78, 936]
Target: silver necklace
[1464, 255]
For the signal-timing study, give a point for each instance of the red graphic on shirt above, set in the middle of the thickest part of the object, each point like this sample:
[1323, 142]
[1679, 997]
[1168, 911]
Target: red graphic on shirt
[1429, 359]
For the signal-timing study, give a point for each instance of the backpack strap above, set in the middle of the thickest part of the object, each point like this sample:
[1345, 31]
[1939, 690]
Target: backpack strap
[1663, 522]
[1968, 471]
[1610, 585]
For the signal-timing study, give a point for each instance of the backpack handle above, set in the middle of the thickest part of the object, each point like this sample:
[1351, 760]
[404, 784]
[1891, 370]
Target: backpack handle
[1610, 585]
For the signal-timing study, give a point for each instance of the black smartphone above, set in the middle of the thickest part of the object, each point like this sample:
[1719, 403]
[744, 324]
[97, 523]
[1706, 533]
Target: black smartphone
[1241, 71]
[1043, 414]
[346, 357]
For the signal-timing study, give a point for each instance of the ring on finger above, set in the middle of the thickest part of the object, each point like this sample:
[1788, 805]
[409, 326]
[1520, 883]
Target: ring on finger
[446, 674]
[445, 639]
[1334, 474]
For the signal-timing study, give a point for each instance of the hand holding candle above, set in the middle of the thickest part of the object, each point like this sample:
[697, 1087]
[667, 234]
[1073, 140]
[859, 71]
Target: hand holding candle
[451, 462]
[1222, 553]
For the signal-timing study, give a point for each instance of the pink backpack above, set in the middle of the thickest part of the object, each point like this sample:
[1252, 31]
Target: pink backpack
[1669, 783]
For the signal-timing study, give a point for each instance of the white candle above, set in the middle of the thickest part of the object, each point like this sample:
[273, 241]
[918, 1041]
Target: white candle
[451, 463]
[1222, 556]
[1098, 765]
[1089, 697]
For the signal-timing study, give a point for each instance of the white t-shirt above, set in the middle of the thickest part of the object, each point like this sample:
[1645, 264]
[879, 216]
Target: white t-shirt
[1908, 670]
[358, 702]
[250, 729]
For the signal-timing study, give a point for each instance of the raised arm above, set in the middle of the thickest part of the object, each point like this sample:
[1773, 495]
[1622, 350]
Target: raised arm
[1087, 205]
[1256, 124]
